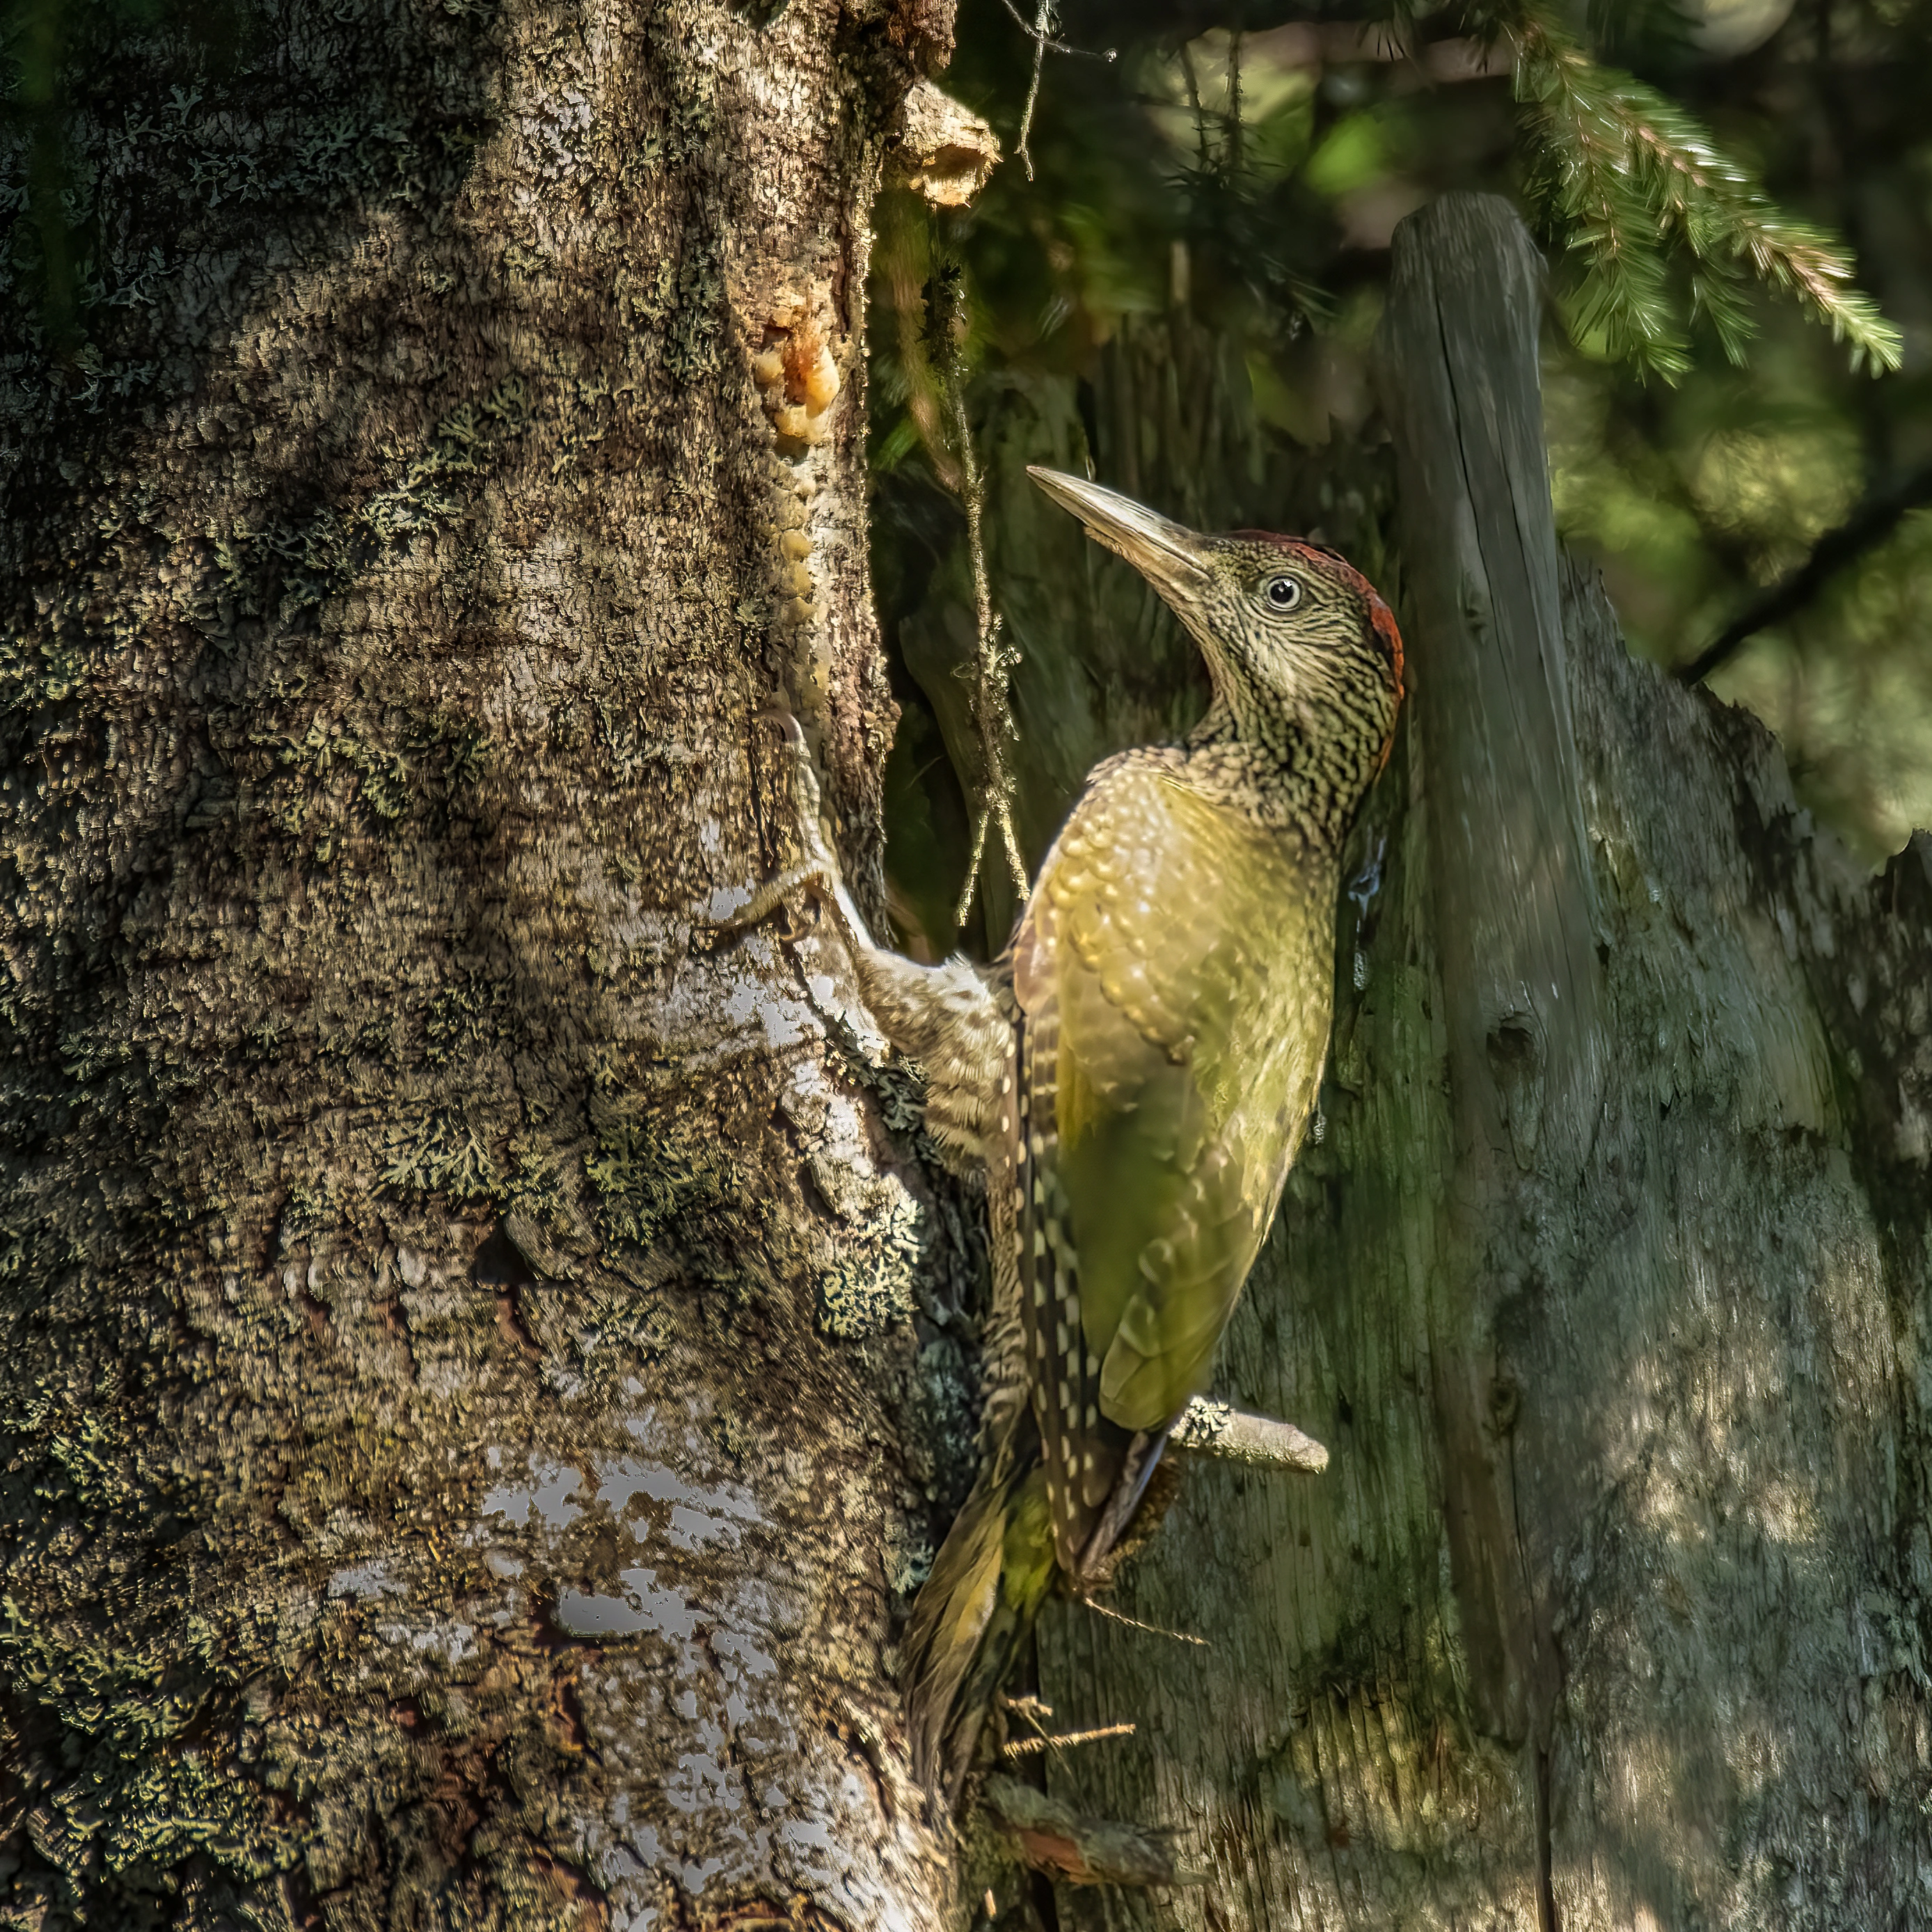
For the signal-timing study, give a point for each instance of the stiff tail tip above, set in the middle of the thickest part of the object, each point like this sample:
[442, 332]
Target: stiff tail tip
[971, 1615]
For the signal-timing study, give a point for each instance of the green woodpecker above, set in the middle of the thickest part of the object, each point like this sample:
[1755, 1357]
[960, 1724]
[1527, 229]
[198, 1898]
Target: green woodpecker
[1135, 1073]
[1169, 990]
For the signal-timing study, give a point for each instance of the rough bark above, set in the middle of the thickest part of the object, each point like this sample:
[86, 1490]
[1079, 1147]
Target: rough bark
[464, 1437]
[1604, 1287]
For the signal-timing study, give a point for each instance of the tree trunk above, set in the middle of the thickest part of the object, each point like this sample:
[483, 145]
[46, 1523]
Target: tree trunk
[1604, 1284]
[465, 1439]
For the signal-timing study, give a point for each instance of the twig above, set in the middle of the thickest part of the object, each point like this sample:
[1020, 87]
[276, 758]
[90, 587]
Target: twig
[1042, 20]
[1194, 101]
[1100, 1609]
[1039, 31]
[992, 713]
[1046, 40]
[1052, 46]
[1236, 145]
[1864, 530]
[1047, 1741]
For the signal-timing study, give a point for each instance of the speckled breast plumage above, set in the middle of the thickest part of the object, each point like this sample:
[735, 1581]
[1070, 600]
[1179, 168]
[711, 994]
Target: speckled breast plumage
[1171, 1039]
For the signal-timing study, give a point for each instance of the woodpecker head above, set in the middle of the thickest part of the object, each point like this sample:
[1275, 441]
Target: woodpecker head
[1302, 651]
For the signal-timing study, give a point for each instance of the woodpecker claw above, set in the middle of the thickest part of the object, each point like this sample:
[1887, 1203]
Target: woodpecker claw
[817, 872]
[776, 892]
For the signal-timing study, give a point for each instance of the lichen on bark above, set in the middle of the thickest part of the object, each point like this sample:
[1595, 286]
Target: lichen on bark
[470, 1336]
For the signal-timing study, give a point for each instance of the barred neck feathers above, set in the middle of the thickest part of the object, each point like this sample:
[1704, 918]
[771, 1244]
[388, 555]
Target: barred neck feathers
[1296, 773]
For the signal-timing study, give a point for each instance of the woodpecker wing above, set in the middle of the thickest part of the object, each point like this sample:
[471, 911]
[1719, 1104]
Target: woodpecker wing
[1173, 969]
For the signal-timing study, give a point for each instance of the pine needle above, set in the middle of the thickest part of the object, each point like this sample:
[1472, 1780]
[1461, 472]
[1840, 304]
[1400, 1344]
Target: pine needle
[1628, 178]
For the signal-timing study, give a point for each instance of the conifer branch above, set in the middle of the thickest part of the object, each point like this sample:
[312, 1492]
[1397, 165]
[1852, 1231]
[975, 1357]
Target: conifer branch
[1626, 175]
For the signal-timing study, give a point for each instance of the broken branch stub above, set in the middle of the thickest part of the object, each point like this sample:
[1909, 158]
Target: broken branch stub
[1053, 1837]
[944, 152]
[1234, 1434]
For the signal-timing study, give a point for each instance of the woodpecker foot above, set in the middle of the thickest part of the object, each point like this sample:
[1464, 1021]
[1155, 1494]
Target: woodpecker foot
[811, 876]
[1053, 1837]
[1219, 1429]
[817, 871]
[945, 1017]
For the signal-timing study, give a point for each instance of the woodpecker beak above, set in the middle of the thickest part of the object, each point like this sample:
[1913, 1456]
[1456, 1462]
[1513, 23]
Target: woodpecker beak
[1168, 555]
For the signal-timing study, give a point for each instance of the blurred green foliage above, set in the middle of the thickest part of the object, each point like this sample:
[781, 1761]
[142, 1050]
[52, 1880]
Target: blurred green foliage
[1184, 296]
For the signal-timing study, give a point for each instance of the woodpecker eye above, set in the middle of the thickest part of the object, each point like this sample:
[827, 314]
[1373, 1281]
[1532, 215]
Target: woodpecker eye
[1283, 593]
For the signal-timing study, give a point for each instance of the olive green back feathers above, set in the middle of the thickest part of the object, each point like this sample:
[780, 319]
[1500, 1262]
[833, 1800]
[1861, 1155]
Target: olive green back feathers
[1167, 1068]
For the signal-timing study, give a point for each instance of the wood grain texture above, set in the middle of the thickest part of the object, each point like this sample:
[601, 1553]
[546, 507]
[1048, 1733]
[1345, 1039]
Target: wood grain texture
[1610, 1609]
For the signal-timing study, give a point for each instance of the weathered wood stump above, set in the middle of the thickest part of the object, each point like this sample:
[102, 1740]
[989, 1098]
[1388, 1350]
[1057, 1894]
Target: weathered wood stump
[1603, 1287]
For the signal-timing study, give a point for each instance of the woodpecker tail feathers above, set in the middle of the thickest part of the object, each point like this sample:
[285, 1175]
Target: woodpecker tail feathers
[971, 1616]
[1142, 1459]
